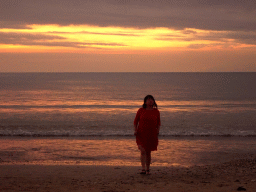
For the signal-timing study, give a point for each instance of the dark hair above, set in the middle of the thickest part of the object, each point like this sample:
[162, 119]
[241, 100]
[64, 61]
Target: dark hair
[149, 97]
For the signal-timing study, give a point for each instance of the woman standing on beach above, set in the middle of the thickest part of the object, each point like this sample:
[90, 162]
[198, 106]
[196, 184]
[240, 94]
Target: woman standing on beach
[146, 129]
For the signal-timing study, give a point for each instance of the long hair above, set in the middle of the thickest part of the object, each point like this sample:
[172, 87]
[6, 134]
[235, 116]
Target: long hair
[149, 97]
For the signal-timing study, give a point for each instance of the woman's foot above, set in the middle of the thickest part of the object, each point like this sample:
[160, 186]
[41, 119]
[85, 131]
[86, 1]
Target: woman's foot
[143, 172]
[148, 172]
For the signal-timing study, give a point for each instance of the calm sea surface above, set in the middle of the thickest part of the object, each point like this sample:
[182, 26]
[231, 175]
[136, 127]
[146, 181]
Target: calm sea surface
[68, 117]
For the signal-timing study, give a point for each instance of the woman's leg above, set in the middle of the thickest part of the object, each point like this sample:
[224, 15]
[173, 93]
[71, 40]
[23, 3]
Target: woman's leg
[148, 159]
[142, 157]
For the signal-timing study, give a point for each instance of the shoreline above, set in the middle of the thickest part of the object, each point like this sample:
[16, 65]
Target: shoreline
[228, 176]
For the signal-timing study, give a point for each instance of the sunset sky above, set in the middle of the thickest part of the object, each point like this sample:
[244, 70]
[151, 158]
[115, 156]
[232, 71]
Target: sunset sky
[127, 36]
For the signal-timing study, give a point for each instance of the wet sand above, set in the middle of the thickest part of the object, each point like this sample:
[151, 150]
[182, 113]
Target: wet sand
[235, 175]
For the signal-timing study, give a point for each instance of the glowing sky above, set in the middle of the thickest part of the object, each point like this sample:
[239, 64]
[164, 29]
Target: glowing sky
[126, 35]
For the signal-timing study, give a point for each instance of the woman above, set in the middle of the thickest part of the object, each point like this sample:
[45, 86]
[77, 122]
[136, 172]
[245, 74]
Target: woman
[146, 130]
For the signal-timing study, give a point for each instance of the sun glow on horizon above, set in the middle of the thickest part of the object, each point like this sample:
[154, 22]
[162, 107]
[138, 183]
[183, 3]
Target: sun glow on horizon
[84, 38]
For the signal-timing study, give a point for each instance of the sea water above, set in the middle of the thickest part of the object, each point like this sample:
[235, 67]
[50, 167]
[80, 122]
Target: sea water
[78, 110]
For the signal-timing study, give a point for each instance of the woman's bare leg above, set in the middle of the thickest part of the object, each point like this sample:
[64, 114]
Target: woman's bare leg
[148, 159]
[142, 157]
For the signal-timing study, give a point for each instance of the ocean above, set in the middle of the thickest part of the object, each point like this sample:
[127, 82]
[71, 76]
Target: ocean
[92, 114]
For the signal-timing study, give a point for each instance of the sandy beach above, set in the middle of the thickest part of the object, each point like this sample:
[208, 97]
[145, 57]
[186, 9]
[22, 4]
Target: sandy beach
[236, 175]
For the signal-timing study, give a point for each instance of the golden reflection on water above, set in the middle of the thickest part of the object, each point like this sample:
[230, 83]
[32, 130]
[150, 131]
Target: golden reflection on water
[53, 98]
[47, 105]
[119, 152]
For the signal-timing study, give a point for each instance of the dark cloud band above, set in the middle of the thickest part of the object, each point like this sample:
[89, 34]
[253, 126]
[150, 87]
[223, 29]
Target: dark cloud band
[48, 40]
[178, 14]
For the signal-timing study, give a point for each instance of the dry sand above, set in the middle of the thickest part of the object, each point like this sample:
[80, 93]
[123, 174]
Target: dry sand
[226, 177]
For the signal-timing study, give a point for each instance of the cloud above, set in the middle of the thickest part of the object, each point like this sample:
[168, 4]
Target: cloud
[96, 33]
[227, 20]
[177, 14]
[46, 40]
[237, 37]
[18, 37]
[13, 25]
[243, 37]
